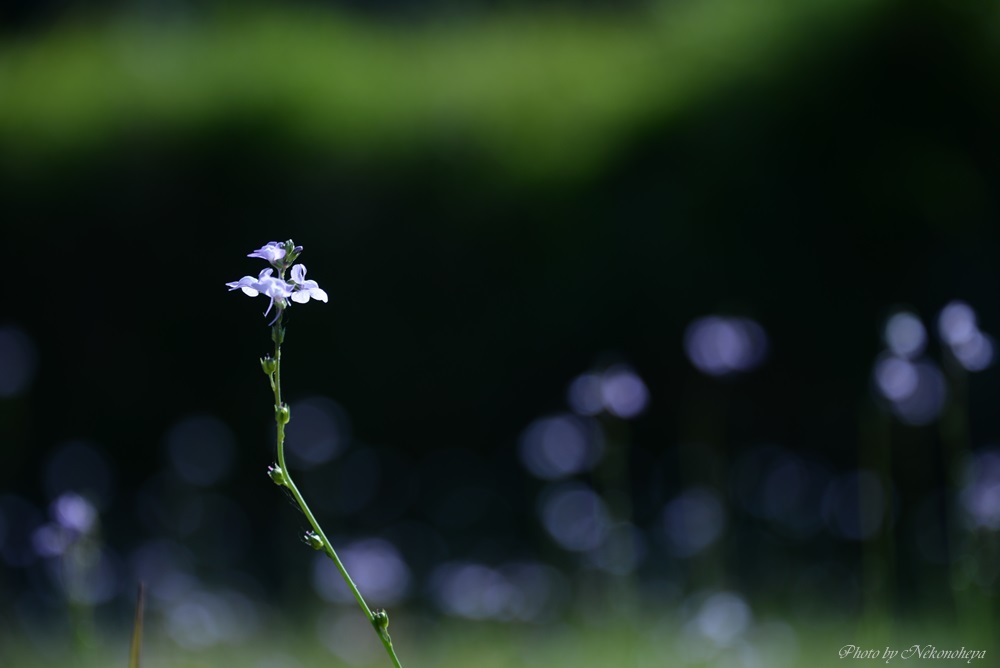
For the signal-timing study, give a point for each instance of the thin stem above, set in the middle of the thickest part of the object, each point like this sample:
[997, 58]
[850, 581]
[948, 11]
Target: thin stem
[379, 620]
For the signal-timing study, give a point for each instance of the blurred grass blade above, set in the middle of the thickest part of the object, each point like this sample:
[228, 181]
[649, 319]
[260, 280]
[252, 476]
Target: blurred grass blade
[136, 650]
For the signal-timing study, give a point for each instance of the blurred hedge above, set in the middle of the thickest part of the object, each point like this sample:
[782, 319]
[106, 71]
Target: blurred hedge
[537, 95]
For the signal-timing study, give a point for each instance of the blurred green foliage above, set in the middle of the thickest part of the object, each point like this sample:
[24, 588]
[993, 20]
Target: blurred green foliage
[539, 95]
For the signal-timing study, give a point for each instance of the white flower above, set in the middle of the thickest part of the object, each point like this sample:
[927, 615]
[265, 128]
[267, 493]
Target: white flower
[278, 290]
[304, 290]
[265, 284]
[272, 251]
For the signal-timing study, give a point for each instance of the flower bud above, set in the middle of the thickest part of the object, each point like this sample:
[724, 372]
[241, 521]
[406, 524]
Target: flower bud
[277, 475]
[291, 252]
[380, 619]
[268, 365]
[312, 539]
[282, 414]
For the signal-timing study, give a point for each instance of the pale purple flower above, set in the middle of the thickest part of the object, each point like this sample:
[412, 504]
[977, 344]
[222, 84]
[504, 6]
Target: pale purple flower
[278, 290]
[247, 284]
[267, 285]
[272, 251]
[304, 290]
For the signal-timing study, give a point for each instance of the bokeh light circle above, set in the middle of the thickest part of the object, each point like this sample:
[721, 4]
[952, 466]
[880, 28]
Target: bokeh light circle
[561, 445]
[720, 346]
[905, 335]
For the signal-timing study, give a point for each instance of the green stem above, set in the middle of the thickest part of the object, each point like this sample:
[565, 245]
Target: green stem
[379, 620]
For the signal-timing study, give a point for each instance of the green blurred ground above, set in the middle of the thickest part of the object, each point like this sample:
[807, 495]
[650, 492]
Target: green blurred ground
[648, 643]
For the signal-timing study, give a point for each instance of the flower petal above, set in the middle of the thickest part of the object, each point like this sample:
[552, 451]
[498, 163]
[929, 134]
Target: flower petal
[246, 283]
[270, 251]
